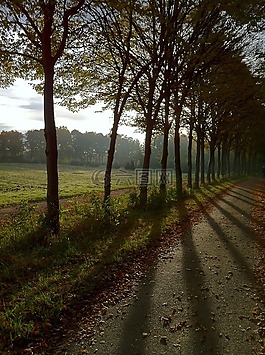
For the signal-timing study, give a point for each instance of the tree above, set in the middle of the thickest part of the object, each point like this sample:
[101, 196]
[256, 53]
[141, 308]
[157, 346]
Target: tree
[64, 145]
[11, 146]
[35, 145]
[110, 44]
[36, 38]
[159, 35]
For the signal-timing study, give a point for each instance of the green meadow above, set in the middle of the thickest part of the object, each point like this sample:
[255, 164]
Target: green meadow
[27, 182]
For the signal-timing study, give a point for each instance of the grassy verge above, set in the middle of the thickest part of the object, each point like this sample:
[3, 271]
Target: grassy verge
[39, 283]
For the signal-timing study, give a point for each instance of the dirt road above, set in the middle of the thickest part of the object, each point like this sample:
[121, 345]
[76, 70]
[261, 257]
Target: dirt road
[198, 298]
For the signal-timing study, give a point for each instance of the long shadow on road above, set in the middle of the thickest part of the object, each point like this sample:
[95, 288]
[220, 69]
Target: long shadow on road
[187, 275]
[242, 225]
[137, 322]
[203, 336]
[236, 196]
[238, 209]
[224, 238]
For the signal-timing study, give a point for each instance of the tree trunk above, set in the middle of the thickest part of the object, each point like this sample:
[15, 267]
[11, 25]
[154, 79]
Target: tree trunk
[163, 177]
[219, 161]
[254, 166]
[190, 155]
[244, 163]
[211, 164]
[167, 126]
[202, 157]
[209, 172]
[177, 157]
[238, 168]
[51, 153]
[212, 153]
[198, 158]
[110, 158]
[228, 160]
[144, 178]
[235, 162]
[224, 160]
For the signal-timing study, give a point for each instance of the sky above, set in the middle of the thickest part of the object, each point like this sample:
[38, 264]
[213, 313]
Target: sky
[21, 109]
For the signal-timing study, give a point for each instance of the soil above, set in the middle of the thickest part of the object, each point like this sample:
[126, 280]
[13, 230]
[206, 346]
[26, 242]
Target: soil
[199, 295]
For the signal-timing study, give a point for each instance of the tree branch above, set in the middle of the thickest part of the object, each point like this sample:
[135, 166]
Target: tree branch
[28, 56]
[68, 13]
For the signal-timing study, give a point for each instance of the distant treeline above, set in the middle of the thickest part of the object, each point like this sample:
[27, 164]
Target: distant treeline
[85, 149]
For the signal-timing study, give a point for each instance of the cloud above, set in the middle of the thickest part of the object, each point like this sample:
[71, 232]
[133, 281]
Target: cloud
[34, 104]
[17, 91]
[4, 127]
[62, 112]
[36, 117]
[9, 92]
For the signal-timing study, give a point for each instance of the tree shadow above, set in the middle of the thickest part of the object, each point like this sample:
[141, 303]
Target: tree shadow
[238, 257]
[16, 256]
[236, 196]
[71, 257]
[240, 194]
[248, 190]
[203, 336]
[241, 225]
[137, 323]
[240, 210]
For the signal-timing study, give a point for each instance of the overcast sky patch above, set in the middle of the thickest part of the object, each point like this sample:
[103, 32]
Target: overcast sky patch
[62, 112]
[4, 127]
[36, 116]
[33, 105]
[9, 93]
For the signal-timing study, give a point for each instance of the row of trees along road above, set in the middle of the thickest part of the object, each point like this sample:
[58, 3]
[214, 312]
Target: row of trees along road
[174, 64]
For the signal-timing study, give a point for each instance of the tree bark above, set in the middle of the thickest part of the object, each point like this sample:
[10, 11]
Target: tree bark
[235, 162]
[110, 158]
[177, 151]
[202, 157]
[228, 162]
[224, 160]
[244, 163]
[212, 153]
[198, 159]
[238, 167]
[163, 177]
[190, 155]
[219, 161]
[211, 165]
[144, 178]
[167, 126]
[51, 152]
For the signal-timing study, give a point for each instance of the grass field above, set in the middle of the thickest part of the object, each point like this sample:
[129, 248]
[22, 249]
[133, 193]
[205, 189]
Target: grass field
[21, 183]
[27, 182]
